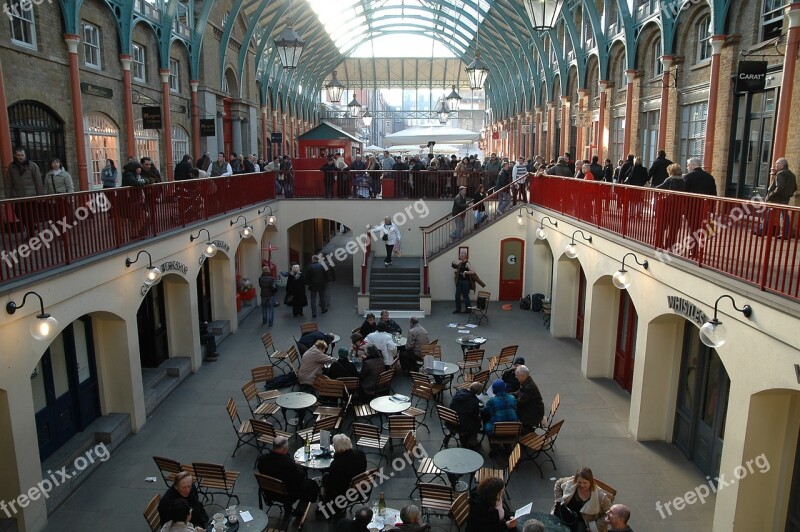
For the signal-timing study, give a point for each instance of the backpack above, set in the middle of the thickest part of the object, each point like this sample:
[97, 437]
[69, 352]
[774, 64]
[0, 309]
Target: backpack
[281, 381]
[525, 302]
[536, 304]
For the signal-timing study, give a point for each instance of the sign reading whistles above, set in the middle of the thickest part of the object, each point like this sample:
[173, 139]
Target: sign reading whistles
[686, 308]
[751, 76]
[151, 117]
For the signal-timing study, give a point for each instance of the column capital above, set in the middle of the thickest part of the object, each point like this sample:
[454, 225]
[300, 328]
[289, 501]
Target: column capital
[164, 73]
[666, 60]
[793, 10]
[551, 105]
[264, 110]
[603, 83]
[126, 61]
[717, 43]
[565, 99]
[630, 76]
[72, 42]
[194, 84]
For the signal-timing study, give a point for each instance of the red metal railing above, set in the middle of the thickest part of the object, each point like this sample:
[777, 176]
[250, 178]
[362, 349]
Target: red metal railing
[752, 241]
[44, 232]
[448, 230]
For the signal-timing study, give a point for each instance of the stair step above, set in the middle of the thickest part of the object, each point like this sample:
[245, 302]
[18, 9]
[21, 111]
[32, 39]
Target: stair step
[390, 291]
[398, 297]
[397, 276]
[397, 306]
[392, 270]
[170, 374]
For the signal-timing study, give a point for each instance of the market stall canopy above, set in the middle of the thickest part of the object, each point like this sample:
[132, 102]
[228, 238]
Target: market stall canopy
[425, 134]
[373, 149]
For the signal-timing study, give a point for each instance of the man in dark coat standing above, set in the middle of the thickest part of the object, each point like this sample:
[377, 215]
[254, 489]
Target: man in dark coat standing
[315, 277]
[596, 169]
[698, 181]
[183, 168]
[278, 464]
[658, 170]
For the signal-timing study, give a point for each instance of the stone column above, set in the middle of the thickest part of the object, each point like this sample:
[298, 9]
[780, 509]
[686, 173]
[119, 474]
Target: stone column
[601, 124]
[581, 144]
[783, 115]
[127, 96]
[630, 75]
[551, 106]
[264, 133]
[565, 125]
[195, 114]
[166, 122]
[6, 157]
[662, 116]
[236, 134]
[73, 41]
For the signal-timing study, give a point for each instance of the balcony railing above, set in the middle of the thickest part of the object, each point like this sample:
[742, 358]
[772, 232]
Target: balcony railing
[751, 241]
[45, 232]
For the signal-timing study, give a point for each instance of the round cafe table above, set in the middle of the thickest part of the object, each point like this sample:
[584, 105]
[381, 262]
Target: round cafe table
[457, 462]
[550, 522]
[386, 521]
[400, 341]
[332, 345]
[388, 405]
[316, 462]
[470, 342]
[297, 401]
[445, 374]
[259, 520]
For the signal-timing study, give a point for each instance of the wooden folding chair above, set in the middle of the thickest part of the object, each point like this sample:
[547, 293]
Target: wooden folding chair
[481, 309]
[435, 499]
[505, 433]
[261, 375]
[473, 360]
[535, 445]
[151, 513]
[450, 425]
[611, 492]
[482, 377]
[330, 391]
[502, 474]
[432, 349]
[552, 414]
[459, 511]
[169, 468]
[421, 379]
[257, 408]
[271, 492]
[308, 327]
[361, 488]
[399, 426]
[370, 437]
[420, 393]
[331, 424]
[244, 431]
[422, 467]
[506, 358]
[214, 479]
[265, 435]
[278, 358]
[384, 386]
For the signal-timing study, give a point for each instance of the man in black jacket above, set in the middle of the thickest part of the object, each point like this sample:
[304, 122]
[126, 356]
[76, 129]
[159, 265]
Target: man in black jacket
[596, 169]
[315, 277]
[468, 407]
[698, 181]
[183, 488]
[530, 407]
[658, 170]
[347, 464]
[329, 172]
[278, 464]
[183, 168]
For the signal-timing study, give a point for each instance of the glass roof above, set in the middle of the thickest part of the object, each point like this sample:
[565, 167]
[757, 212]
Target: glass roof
[353, 24]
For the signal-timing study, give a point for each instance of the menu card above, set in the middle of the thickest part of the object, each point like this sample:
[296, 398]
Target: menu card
[325, 440]
[428, 362]
[525, 510]
[438, 365]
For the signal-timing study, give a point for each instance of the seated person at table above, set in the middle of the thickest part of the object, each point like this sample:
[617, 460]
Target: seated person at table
[468, 407]
[369, 325]
[308, 339]
[580, 494]
[530, 407]
[361, 518]
[501, 407]
[410, 516]
[358, 346]
[417, 337]
[617, 518]
[510, 376]
[371, 370]
[280, 465]
[533, 525]
[183, 488]
[383, 341]
[347, 463]
[313, 363]
[180, 518]
[488, 511]
[391, 326]
[342, 367]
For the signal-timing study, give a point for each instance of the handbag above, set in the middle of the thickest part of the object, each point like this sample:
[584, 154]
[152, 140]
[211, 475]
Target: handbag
[385, 237]
[565, 515]
[288, 300]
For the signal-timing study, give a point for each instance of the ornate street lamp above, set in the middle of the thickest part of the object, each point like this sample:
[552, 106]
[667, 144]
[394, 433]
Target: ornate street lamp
[334, 89]
[543, 13]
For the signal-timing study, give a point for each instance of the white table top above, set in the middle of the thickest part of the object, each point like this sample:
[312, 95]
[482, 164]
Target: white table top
[387, 405]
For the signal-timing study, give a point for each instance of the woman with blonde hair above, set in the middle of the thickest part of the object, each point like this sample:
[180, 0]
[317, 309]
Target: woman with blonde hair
[578, 495]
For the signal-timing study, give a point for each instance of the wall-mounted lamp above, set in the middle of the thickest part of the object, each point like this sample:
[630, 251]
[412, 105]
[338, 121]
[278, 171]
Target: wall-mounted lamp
[713, 333]
[621, 279]
[210, 249]
[540, 234]
[247, 231]
[271, 217]
[152, 275]
[44, 326]
[571, 250]
[520, 217]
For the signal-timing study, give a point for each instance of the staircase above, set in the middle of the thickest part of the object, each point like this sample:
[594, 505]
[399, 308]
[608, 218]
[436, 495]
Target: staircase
[159, 382]
[397, 287]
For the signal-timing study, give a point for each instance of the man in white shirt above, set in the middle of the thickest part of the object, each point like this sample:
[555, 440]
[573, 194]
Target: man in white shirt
[221, 167]
[383, 341]
[519, 187]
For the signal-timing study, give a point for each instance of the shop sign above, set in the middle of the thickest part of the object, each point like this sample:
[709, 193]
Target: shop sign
[151, 117]
[96, 90]
[751, 76]
[687, 309]
[174, 266]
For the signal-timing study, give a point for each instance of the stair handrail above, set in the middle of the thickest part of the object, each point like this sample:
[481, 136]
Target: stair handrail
[364, 261]
[428, 229]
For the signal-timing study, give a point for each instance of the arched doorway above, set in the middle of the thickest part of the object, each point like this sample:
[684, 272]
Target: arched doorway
[102, 140]
[39, 130]
[151, 319]
[64, 387]
[702, 403]
[512, 259]
[625, 350]
[147, 141]
[581, 304]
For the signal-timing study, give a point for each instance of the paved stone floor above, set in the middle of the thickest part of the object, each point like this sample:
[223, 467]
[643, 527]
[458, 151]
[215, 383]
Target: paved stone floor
[192, 425]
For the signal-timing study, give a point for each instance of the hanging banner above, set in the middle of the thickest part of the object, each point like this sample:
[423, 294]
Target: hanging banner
[751, 76]
[151, 117]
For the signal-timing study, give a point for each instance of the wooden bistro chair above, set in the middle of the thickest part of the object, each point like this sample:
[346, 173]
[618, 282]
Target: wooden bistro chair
[244, 431]
[502, 474]
[271, 492]
[450, 423]
[435, 499]
[214, 479]
[536, 445]
[473, 360]
[169, 468]
[151, 513]
[459, 511]
[261, 375]
[505, 433]
[481, 309]
[611, 492]
[399, 426]
[308, 327]
[361, 488]
[506, 358]
[278, 358]
[265, 435]
[553, 409]
[422, 466]
[434, 350]
[481, 377]
[421, 379]
[259, 409]
[384, 386]
[370, 437]
[421, 396]
[331, 424]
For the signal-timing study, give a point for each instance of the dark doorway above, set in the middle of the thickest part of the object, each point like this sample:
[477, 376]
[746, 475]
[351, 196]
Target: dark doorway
[751, 145]
[66, 397]
[793, 514]
[702, 403]
[39, 130]
[581, 304]
[625, 352]
[152, 322]
[204, 292]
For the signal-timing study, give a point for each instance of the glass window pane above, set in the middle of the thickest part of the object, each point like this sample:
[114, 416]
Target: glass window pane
[59, 365]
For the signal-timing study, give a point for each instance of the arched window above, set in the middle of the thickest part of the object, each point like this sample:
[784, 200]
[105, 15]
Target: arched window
[39, 130]
[180, 143]
[147, 141]
[703, 39]
[102, 140]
